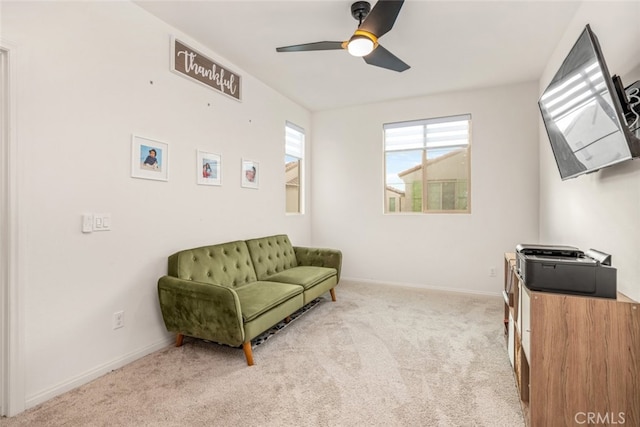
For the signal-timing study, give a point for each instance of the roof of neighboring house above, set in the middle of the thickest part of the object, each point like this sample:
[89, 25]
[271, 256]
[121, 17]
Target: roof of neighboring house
[290, 165]
[295, 179]
[432, 161]
[395, 190]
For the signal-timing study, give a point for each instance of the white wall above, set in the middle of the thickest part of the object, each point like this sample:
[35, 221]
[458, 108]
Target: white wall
[452, 251]
[84, 73]
[599, 210]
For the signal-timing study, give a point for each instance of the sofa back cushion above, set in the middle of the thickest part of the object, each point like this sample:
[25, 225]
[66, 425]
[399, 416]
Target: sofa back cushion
[271, 255]
[226, 264]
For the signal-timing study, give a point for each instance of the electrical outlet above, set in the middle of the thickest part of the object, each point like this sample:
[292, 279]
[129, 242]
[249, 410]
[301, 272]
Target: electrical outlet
[492, 272]
[118, 320]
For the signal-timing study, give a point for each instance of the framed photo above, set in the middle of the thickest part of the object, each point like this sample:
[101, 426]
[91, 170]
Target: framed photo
[209, 168]
[149, 159]
[250, 174]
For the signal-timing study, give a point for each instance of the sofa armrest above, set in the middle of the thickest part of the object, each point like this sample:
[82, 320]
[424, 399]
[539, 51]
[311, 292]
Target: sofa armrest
[319, 257]
[201, 310]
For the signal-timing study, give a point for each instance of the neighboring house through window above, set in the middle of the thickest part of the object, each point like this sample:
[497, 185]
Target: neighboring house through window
[293, 161]
[427, 165]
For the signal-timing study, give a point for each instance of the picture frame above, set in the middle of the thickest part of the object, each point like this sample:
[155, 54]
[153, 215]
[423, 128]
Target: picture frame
[149, 159]
[250, 174]
[208, 168]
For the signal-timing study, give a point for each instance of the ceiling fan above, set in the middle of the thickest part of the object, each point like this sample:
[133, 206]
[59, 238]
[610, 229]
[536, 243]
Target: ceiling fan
[373, 24]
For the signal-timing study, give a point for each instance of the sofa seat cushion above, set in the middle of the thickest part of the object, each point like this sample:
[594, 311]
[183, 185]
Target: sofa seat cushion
[306, 276]
[259, 297]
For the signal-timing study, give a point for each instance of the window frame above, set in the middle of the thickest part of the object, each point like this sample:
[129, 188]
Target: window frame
[301, 169]
[424, 183]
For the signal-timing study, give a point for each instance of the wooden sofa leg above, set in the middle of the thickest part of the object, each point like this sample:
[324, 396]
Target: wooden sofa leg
[332, 291]
[287, 319]
[179, 340]
[246, 346]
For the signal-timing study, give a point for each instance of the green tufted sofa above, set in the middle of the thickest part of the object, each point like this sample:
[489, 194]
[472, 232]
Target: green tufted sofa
[232, 292]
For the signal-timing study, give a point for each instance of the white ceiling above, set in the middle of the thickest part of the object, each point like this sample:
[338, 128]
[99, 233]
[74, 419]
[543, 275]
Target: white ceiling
[450, 45]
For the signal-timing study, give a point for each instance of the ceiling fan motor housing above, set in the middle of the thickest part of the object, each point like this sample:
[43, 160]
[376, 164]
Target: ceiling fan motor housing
[360, 10]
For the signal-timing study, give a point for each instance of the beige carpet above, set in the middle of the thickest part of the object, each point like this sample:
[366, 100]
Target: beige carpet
[379, 356]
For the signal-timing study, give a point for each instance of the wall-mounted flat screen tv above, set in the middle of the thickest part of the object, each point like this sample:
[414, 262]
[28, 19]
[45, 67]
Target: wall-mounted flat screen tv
[583, 113]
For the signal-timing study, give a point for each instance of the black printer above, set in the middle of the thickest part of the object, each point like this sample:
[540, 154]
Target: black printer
[566, 269]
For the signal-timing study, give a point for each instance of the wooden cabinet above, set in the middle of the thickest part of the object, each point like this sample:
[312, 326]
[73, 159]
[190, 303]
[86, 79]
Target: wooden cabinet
[576, 359]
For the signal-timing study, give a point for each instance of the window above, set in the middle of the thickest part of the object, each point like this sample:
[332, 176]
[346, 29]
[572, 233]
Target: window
[293, 160]
[427, 165]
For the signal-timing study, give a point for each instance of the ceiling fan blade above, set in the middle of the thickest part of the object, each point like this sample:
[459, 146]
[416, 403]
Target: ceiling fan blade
[311, 46]
[381, 57]
[382, 17]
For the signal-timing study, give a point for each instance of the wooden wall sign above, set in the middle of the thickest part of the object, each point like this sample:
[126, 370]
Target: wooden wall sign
[191, 63]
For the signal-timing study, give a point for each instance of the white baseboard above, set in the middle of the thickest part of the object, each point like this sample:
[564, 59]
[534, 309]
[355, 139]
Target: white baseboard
[420, 286]
[97, 372]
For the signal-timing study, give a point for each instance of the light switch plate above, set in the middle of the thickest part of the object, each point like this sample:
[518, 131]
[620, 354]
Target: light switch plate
[87, 223]
[106, 221]
[102, 222]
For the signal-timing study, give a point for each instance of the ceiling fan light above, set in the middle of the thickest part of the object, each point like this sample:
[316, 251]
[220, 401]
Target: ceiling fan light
[360, 45]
